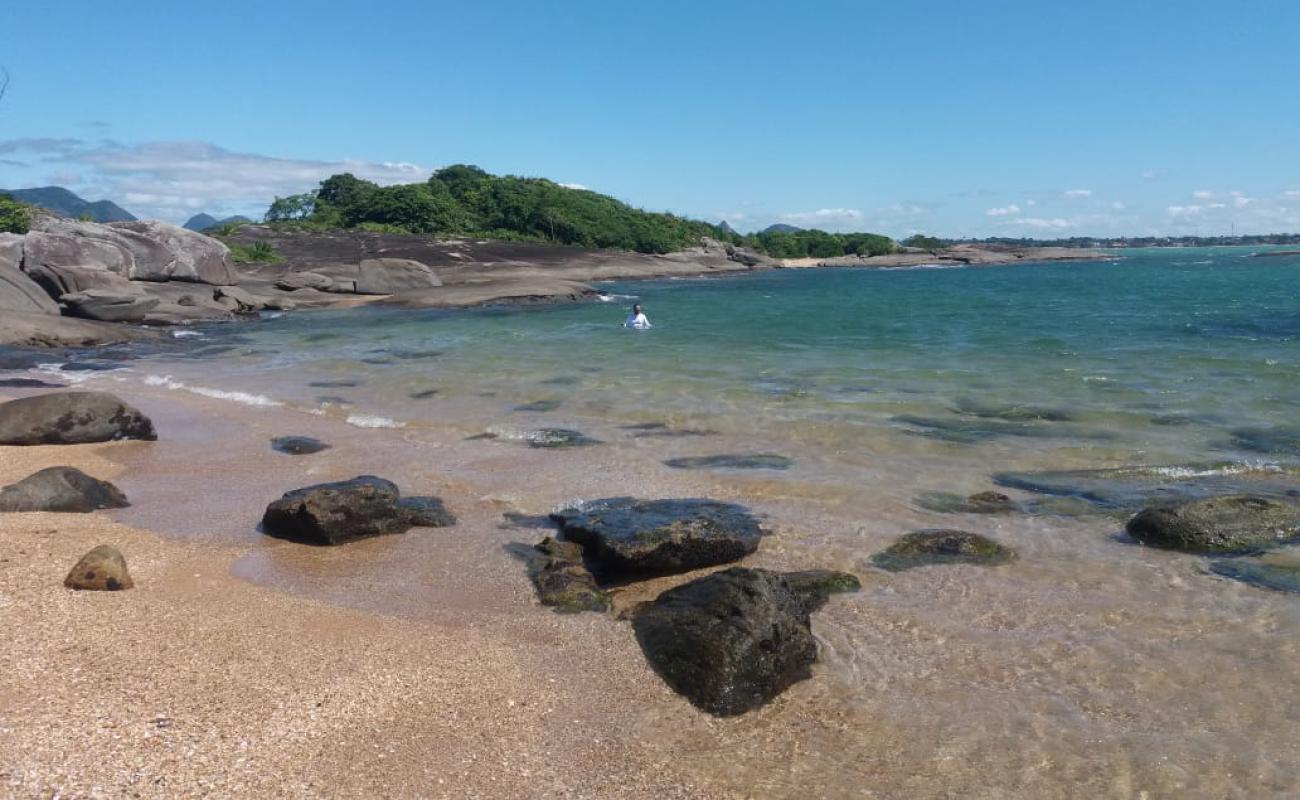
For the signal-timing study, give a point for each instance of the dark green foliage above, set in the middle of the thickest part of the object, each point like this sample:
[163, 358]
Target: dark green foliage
[464, 200]
[256, 253]
[15, 216]
[922, 241]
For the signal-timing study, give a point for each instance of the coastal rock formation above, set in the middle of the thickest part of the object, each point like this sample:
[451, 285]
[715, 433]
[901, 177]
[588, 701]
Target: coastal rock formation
[167, 252]
[61, 279]
[756, 461]
[71, 418]
[18, 292]
[63, 489]
[562, 581]
[1228, 524]
[64, 243]
[297, 445]
[23, 329]
[941, 546]
[626, 536]
[103, 569]
[732, 641]
[393, 275]
[107, 305]
[334, 513]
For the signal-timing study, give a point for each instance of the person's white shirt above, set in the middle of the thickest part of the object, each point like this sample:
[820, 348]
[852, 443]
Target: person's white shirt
[637, 321]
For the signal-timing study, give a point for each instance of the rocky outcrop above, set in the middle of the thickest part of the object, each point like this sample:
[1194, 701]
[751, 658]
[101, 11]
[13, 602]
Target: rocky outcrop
[184, 255]
[393, 275]
[18, 292]
[62, 489]
[732, 641]
[71, 418]
[1229, 524]
[293, 281]
[924, 548]
[58, 280]
[108, 305]
[102, 569]
[625, 536]
[79, 244]
[335, 513]
[23, 329]
[561, 580]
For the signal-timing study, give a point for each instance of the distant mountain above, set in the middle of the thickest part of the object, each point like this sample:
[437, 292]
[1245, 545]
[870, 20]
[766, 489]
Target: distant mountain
[202, 222]
[781, 227]
[66, 204]
[725, 228]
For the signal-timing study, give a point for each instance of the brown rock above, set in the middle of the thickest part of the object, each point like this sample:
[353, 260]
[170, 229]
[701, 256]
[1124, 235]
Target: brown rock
[102, 570]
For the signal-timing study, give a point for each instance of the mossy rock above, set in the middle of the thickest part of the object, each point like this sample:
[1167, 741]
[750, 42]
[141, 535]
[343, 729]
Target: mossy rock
[942, 546]
[562, 582]
[1238, 523]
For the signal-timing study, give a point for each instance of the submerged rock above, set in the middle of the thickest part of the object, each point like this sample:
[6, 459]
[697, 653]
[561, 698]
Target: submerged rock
[732, 641]
[647, 430]
[559, 438]
[941, 546]
[729, 461]
[981, 503]
[538, 406]
[423, 395]
[28, 383]
[102, 569]
[1274, 441]
[562, 581]
[334, 513]
[623, 535]
[62, 489]
[297, 445]
[971, 431]
[1228, 524]
[71, 418]
[1135, 487]
[1277, 571]
[1009, 411]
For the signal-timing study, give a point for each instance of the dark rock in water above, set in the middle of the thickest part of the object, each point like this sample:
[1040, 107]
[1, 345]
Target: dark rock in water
[562, 581]
[417, 355]
[623, 535]
[1228, 524]
[1009, 412]
[972, 431]
[1277, 571]
[1274, 441]
[559, 438]
[923, 548]
[380, 360]
[333, 400]
[333, 384]
[90, 366]
[512, 520]
[103, 569]
[1135, 487]
[539, 406]
[757, 461]
[298, 445]
[482, 437]
[62, 489]
[732, 641]
[334, 513]
[426, 512]
[71, 418]
[817, 585]
[562, 380]
[28, 383]
[981, 503]
[647, 430]
[423, 395]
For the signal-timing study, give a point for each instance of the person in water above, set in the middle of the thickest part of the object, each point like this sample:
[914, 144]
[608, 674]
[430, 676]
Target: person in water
[637, 319]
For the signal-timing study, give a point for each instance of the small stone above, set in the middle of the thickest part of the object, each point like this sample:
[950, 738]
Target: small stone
[297, 445]
[103, 569]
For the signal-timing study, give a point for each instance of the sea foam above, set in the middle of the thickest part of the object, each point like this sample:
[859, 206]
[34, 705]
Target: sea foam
[243, 398]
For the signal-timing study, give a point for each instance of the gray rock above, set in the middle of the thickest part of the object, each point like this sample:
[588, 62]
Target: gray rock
[18, 292]
[58, 280]
[107, 305]
[732, 641]
[244, 302]
[334, 513]
[626, 536]
[102, 569]
[927, 547]
[107, 252]
[185, 255]
[63, 489]
[1229, 524]
[71, 418]
[23, 329]
[293, 281]
[393, 275]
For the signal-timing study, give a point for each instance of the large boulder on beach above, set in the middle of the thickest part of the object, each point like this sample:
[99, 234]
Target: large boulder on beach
[942, 546]
[71, 418]
[393, 275]
[623, 535]
[184, 254]
[69, 244]
[732, 641]
[63, 489]
[18, 292]
[103, 569]
[1228, 524]
[110, 305]
[334, 513]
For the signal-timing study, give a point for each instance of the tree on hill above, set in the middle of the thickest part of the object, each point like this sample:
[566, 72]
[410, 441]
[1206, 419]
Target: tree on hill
[922, 241]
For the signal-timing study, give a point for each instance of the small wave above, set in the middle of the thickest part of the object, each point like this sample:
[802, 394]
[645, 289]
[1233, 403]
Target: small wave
[370, 421]
[186, 335]
[73, 377]
[910, 267]
[617, 298]
[243, 398]
[1244, 468]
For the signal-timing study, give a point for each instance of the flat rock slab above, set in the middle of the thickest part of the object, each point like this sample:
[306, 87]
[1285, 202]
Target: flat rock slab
[1228, 524]
[561, 580]
[62, 489]
[731, 461]
[297, 445]
[732, 641]
[1277, 571]
[1135, 487]
[103, 569]
[941, 546]
[71, 418]
[626, 536]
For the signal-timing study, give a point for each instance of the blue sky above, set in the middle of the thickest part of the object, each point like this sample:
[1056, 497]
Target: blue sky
[955, 118]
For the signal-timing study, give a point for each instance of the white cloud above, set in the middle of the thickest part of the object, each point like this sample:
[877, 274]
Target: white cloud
[1216, 205]
[576, 186]
[1004, 211]
[170, 180]
[1055, 223]
[1151, 175]
[1077, 193]
[1117, 205]
[1202, 194]
[1293, 193]
[1031, 203]
[1185, 211]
